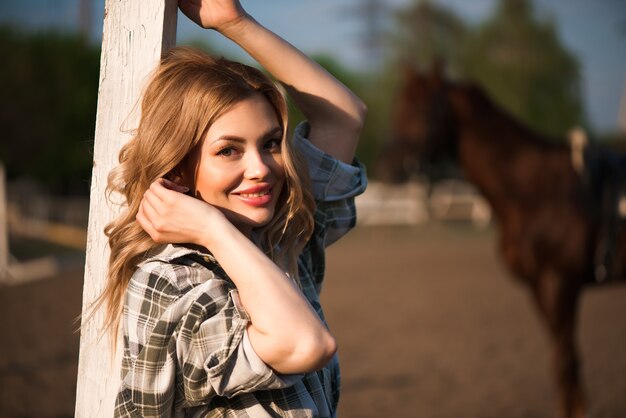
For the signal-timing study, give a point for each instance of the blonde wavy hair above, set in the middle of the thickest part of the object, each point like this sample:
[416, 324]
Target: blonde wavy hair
[187, 92]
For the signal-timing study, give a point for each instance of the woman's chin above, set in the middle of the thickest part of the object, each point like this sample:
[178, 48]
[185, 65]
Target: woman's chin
[247, 222]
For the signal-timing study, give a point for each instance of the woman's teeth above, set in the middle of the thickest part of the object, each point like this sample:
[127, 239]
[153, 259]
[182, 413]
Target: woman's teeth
[255, 194]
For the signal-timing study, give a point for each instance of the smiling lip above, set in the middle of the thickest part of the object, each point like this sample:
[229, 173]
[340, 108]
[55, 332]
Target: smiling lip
[255, 196]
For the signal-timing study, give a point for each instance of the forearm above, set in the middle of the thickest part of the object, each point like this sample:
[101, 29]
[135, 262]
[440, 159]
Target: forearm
[332, 109]
[285, 331]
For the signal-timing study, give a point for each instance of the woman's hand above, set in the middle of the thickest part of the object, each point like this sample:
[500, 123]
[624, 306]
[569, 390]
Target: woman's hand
[335, 113]
[169, 216]
[213, 14]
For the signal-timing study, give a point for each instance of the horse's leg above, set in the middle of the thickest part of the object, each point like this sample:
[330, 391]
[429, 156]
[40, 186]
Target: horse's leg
[558, 299]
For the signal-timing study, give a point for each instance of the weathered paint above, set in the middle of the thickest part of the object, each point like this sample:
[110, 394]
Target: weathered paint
[135, 34]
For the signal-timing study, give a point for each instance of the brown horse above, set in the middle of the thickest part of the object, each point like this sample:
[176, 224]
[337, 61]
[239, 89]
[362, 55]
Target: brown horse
[546, 213]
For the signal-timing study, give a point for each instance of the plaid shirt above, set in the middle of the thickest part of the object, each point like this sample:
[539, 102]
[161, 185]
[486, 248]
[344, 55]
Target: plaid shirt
[186, 349]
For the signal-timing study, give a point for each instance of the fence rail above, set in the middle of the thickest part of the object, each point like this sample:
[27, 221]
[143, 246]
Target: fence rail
[30, 213]
[419, 202]
[33, 214]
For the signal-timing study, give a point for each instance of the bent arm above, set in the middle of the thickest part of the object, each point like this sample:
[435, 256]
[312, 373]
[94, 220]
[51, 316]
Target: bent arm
[284, 330]
[335, 113]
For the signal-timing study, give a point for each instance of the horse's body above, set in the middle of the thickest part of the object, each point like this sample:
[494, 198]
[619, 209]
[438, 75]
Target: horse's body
[548, 227]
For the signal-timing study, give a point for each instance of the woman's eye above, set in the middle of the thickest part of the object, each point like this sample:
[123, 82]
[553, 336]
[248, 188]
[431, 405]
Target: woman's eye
[226, 152]
[273, 144]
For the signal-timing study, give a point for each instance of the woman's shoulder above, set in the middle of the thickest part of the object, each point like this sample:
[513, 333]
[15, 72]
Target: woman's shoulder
[176, 268]
[331, 179]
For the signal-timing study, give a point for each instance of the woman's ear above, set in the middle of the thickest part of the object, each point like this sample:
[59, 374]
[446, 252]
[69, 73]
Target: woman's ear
[185, 172]
[177, 176]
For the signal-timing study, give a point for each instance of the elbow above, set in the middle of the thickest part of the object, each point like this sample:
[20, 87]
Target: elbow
[323, 351]
[345, 120]
[306, 354]
[316, 353]
[362, 111]
[359, 115]
[296, 352]
[329, 353]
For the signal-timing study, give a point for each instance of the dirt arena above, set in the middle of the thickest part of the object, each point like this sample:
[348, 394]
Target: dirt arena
[428, 322]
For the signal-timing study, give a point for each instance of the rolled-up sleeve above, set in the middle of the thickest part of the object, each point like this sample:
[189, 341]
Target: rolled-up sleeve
[216, 355]
[334, 185]
[196, 347]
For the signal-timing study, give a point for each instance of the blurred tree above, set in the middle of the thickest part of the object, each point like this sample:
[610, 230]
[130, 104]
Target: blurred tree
[377, 90]
[374, 83]
[371, 15]
[427, 32]
[522, 63]
[48, 94]
[516, 56]
[365, 86]
[421, 34]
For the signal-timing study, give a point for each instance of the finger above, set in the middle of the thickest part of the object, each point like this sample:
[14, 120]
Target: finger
[151, 199]
[161, 191]
[144, 222]
[157, 187]
[150, 224]
[150, 206]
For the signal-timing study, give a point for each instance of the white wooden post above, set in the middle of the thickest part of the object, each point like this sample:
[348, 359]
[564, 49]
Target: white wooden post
[134, 36]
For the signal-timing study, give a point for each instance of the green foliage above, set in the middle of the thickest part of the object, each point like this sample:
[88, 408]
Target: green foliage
[517, 57]
[426, 32]
[49, 84]
[202, 45]
[378, 92]
[48, 95]
[524, 66]
[368, 88]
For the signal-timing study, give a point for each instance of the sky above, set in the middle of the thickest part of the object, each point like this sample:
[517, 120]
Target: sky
[595, 31]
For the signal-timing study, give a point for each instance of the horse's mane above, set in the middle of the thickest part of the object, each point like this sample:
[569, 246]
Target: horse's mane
[485, 108]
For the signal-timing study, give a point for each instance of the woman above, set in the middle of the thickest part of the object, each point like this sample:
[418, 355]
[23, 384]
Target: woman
[217, 264]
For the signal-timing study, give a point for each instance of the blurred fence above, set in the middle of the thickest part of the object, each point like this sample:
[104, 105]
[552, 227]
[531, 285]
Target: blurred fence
[415, 203]
[32, 214]
[28, 200]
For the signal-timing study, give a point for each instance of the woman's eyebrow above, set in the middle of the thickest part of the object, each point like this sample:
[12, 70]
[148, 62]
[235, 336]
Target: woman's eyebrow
[230, 138]
[271, 132]
[276, 130]
[235, 138]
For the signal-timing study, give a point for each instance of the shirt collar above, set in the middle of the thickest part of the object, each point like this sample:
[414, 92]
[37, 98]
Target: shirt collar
[170, 252]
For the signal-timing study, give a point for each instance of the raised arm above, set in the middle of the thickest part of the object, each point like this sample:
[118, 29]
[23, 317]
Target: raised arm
[284, 331]
[335, 113]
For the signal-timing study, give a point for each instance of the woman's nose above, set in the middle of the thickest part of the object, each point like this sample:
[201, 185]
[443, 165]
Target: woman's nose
[256, 166]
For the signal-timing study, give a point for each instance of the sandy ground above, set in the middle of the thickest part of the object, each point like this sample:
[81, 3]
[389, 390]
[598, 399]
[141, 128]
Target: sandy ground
[428, 322]
[430, 325]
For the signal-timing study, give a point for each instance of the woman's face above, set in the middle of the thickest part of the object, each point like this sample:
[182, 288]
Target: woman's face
[239, 167]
